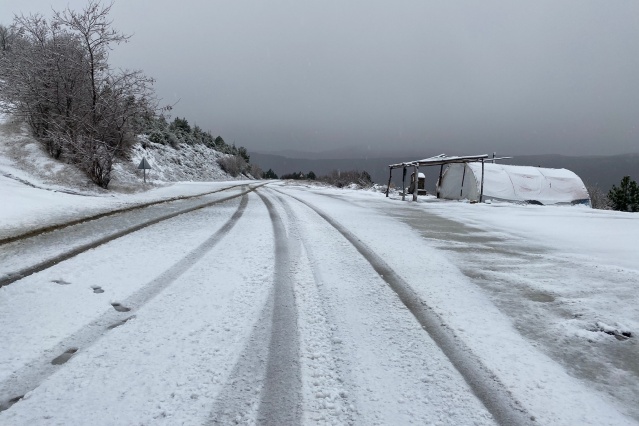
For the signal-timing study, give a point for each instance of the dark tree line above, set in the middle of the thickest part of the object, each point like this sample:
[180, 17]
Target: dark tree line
[179, 131]
[269, 174]
[336, 178]
[341, 179]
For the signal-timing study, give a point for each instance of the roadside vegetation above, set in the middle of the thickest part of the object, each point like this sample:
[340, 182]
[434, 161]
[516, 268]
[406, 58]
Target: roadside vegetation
[598, 198]
[55, 75]
[269, 174]
[336, 178]
[623, 198]
[626, 196]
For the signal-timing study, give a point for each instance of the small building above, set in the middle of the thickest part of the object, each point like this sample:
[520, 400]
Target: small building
[536, 185]
[439, 160]
[421, 184]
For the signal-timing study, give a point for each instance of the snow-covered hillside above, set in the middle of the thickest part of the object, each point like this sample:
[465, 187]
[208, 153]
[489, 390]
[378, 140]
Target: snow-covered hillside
[23, 158]
[195, 163]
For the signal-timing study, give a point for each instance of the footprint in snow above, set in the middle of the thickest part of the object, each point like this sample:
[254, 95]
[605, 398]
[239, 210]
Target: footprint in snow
[6, 405]
[61, 359]
[118, 307]
[119, 323]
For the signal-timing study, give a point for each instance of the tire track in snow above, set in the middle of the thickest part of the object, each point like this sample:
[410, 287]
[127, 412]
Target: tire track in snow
[238, 401]
[281, 396]
[269, 367]
[18, 275]
[55, 227]
[329, 401]
[31, 375]
[487, 387]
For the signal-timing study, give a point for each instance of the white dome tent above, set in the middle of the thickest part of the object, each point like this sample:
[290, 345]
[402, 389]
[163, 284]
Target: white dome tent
[477, 178]
[462, 181]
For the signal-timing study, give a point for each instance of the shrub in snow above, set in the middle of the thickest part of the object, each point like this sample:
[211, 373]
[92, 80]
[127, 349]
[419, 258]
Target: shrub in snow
[343, 179]
[598, 198]
[255, 171]
[233, 165]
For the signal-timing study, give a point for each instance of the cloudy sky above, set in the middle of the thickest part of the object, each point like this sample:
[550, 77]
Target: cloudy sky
[464, 77]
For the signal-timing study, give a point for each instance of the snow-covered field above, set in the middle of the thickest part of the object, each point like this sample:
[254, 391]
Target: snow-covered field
[283, 304]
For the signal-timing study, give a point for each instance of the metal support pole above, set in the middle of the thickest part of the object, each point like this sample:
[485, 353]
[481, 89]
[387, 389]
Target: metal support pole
[463, 177]
[404, 184]
[481, 194]
[144, 172]
[416, 183]
[390, 175]
[439, 181]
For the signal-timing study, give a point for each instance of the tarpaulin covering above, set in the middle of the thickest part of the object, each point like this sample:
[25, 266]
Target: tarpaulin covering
[512, 183]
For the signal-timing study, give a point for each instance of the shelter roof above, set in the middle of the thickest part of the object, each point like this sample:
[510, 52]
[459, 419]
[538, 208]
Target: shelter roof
[440, 159]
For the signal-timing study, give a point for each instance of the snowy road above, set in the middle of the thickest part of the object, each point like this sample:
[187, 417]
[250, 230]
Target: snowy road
[272, 305]
[33, 251]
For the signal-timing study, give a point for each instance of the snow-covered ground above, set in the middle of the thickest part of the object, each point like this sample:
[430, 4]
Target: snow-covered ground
[25, 170]
[189, 320]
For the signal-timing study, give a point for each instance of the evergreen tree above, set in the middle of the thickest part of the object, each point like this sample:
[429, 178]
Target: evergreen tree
[626, 197]
[242, 152]
[270, 174]
[181, 124]
[311, 175]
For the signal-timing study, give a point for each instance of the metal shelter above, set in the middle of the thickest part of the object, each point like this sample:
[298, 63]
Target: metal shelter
[438, 160]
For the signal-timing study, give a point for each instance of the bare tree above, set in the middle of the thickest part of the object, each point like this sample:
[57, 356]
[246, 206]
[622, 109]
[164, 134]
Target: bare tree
[7, 34]
[94, 30]
[57, 76]
[598, 198]
[40, 77]
[255, 171]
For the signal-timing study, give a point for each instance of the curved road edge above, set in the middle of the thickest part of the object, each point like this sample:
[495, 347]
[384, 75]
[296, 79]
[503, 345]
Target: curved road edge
[18, 275]
[57, 226]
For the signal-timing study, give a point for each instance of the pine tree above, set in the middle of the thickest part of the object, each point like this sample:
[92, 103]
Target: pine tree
[626, 197]
[270, 174]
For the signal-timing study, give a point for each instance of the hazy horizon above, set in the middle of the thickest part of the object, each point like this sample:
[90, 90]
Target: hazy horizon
[517, 78]
[359, 152]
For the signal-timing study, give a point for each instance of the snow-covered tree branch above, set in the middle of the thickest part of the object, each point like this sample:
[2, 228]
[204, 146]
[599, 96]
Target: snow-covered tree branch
[57, 77]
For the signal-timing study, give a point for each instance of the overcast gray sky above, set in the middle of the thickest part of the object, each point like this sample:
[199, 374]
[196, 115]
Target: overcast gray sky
[516, 77]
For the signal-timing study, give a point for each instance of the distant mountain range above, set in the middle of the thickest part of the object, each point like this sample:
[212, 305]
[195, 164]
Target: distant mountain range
[602, 171]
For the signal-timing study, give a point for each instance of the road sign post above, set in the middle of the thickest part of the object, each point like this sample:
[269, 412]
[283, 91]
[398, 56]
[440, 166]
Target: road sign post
[144, 165]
